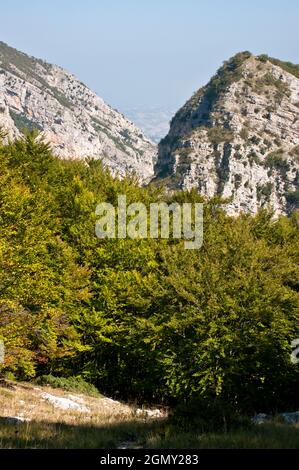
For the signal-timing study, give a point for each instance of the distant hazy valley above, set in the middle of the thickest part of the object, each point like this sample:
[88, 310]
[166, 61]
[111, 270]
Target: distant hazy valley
[154, 121]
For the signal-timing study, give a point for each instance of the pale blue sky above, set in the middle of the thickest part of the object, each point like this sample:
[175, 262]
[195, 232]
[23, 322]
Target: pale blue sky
[149, 52]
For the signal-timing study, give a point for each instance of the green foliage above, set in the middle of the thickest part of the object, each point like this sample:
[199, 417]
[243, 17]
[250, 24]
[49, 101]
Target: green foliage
[21, 64]
[99, 126]
[277, 161]
[295, 153]
[287, 66]
[264, 191]
[230, 72]
[60, 97]
[268, 80]
[265, 436]
[72, 384]
[253, 158]
[244, 134]
[146, 318]
[219, 134]
[237, 180]
[198, 111]
[23, 123]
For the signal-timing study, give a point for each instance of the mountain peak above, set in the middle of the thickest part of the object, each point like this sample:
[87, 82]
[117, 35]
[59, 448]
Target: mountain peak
[74, 120]
[238, 136]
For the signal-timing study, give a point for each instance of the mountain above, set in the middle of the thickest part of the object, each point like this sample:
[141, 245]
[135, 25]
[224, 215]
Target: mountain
[77, 123]
[238, 137]
[154, 120]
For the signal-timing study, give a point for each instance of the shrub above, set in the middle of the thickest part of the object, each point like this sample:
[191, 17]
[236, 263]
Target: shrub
[269, 80]
[276, 160]
[244, 134]
[295, 153]
[238, 180]
[264, 191]
[219, 134]
[287, 66]
[22, 122]
[72, 384]
[253, 158]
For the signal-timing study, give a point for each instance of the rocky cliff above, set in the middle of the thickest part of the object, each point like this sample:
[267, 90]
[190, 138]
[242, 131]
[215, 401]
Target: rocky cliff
[77, 123]
[238, 137]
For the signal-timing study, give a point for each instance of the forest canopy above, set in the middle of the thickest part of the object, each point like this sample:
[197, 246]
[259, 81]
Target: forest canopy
[144, 319]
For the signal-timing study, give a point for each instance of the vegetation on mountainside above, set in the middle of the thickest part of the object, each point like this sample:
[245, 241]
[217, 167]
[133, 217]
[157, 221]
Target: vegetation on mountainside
[287, 66]
[219, 134]
[228, 73]
[24, 66]
[146, 318]
[22, 122]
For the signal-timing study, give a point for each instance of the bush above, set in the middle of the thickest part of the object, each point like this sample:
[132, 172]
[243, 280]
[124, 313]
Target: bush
[253, 158]
[22, 122]
[219, 134]
[276, 160]
[287, 66]
[244, 134]
[264, 191]
[295, 153]
[72, 384]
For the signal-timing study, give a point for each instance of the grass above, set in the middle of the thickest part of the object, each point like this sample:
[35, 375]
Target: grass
[265, 436]
[111, 425]
[107, 425]
[43, 435]
[218, 135]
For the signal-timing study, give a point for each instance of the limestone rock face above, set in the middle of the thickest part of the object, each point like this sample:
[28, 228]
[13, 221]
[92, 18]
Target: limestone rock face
[73, 119]
[238, 137]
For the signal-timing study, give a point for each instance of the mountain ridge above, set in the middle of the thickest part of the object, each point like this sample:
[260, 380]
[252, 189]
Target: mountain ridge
[76, 121]
[237, 137]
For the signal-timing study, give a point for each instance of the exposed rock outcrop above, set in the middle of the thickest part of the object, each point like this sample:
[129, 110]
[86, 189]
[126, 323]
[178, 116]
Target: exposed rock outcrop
[238, 137]
[77, 123]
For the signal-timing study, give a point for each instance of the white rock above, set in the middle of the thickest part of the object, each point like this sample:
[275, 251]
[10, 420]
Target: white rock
[150, 413]
[16, 419]
[77, 399]
[64, 403]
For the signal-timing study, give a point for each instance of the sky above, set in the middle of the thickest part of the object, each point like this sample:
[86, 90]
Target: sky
[149, 53]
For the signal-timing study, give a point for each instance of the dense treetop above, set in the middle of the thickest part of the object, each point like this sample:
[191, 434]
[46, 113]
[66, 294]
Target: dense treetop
[144, 318]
